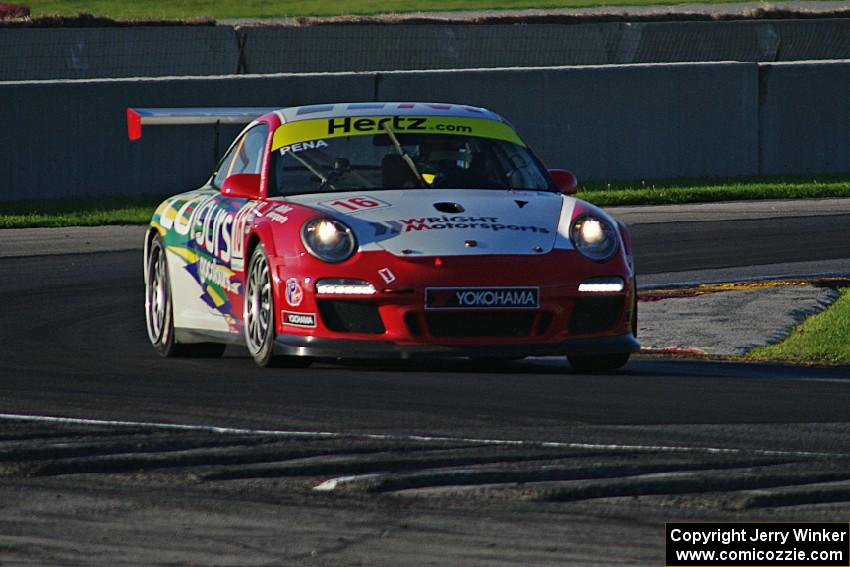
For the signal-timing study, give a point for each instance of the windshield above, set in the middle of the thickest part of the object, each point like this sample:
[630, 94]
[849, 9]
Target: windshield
[398, 160]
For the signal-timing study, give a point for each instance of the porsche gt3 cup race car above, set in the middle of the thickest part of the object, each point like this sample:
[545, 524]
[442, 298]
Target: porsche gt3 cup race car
[384, 230]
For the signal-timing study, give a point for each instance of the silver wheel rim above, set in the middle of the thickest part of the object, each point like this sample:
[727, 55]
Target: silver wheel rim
[156, 296]
[258, 304]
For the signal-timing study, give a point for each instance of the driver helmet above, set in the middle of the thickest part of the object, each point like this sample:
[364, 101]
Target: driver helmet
[446, 153]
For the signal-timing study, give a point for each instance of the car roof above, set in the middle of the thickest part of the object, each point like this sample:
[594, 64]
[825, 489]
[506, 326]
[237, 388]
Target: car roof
[354, 109]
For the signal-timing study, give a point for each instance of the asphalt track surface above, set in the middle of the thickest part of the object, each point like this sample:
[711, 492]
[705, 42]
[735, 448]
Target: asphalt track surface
[456, 465]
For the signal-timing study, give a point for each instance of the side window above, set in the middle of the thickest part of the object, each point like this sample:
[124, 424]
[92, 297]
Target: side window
[246, 156]
[224, 166]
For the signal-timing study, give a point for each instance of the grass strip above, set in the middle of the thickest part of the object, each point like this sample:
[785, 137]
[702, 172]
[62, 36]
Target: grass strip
[675, 192]
[89, 211]
[225, 9]
[824, 337]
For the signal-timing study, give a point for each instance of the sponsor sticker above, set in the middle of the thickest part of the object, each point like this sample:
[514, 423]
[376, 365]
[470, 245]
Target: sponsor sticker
[482, 298]
[298, 319]
[301, 146]
[278, 214]
[457, 222]
[213, 273]
[387, 275]
[277, 217]
[294, 293]
[214, 228]
[290, 134]
[353, 205]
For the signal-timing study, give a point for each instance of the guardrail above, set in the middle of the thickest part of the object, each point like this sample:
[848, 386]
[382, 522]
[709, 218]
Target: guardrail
[68, 138]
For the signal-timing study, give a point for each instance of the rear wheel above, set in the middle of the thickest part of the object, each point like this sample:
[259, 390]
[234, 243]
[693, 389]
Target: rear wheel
[158, 310]
[599, 363]
[259, 316]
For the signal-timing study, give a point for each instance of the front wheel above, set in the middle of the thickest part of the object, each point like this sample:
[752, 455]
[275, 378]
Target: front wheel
[259, 316]
[599, 363]
[158, 310]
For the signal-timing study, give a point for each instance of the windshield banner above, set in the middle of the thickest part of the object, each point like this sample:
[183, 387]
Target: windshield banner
[309, 130]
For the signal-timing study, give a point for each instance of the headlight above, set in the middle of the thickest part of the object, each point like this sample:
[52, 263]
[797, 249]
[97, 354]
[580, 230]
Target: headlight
[595, 238]
[328, 239]
[604, 284]
[344, 287]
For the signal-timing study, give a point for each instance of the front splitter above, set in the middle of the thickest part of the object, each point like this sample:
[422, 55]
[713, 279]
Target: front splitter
[291, 345]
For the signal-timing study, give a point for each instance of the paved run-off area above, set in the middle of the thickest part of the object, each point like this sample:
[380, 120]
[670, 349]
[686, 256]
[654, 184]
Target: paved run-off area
[729, 322]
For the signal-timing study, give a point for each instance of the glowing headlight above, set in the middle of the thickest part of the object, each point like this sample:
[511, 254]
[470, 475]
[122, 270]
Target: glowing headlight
[328, 239]
[595, 238]
[613, 284]
[344, 287]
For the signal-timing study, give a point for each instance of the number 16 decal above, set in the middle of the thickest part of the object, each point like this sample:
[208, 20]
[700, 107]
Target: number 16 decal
[354, 205]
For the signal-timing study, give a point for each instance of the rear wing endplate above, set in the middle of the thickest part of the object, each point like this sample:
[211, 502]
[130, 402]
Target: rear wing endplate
[136, 117]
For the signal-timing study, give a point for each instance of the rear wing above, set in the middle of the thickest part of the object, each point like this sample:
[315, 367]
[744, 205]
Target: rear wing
[136, 117]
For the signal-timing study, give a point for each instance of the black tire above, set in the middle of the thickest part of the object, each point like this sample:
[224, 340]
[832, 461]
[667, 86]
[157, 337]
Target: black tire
[634, 321]
[159, 317]
[495, 362]
[259, 317]
[599, 363]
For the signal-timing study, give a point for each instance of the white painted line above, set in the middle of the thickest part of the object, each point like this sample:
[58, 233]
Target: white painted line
[414, 438]
[333, 483]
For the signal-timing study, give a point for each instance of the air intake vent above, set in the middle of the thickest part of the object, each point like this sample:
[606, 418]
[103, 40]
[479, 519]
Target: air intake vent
[515, 324]
[448, 207]
[596, 314]
[351, 316]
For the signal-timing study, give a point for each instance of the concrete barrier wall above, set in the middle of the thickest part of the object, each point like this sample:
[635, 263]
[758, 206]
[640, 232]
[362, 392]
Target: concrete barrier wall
[93, 53]
[403, 47]
[381, 48]
[78, 53]
[68, 138]
[614, 122]
[64, 139]
[761, 41]
[804, 118]
[807, 40]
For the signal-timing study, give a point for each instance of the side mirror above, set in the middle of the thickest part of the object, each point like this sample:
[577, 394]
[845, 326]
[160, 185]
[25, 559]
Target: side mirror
[565, 180]
[242, 186]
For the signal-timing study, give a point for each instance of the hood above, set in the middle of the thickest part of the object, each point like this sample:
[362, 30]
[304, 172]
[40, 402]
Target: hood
[446, 222]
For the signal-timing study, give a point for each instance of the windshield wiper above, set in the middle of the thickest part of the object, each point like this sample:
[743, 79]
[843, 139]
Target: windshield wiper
[325, 182]
[404, 155]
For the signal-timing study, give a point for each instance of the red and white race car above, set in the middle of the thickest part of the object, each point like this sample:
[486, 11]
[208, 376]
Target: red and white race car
[384, 230]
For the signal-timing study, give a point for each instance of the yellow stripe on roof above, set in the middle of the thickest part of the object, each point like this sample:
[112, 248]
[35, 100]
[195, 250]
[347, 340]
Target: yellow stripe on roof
[339, 127]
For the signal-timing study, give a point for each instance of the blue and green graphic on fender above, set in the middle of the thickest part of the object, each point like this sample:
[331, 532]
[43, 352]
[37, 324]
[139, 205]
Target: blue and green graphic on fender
[206, 231]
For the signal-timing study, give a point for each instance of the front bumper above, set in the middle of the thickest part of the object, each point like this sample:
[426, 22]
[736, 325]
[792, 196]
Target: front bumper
[396, 321]
[319, 347]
